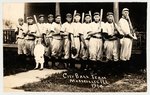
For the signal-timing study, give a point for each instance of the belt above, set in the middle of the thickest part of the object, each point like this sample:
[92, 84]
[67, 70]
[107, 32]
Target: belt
[76, 36]
[96, 37]
[49, 37]
[39, 37]
[112, 39]
[127, 36]
[30, 39]
[65, 37]
[20, 38]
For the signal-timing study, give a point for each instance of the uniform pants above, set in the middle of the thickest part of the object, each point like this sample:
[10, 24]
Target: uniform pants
[126, 48]
[48, 49]
[29, 47]
[21, 46]
[85, 52]
[111, 50]
[95, 49]
[56, 47]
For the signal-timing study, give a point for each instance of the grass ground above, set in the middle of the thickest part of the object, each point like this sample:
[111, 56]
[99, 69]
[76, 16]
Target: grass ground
[127, 82]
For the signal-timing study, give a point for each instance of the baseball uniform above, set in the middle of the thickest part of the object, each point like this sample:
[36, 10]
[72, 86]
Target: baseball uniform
[30, 39]
[66, 29]
[126, 42]
[111, 43]
[57, 40]
[95, 42]
[21, 29]
[76, 30]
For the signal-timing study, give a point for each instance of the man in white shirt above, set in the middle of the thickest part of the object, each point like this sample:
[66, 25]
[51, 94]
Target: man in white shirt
[111, 41]
[48, 40]
[95, 42]
[76, 30]
[87, 28]
[57, 40]
[126, 41]
[49, 34]
[65, 29]
[30, 36]
[42, 24]
[21, 30]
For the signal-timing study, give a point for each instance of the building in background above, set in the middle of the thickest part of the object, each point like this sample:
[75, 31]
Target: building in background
[13, 11]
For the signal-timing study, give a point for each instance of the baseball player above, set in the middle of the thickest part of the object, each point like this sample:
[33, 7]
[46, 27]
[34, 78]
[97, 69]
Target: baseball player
[87, 28]
[85, 51]
[43, 29]
[95, 42]
[30, 41]
[21, 30]
[49, 35]
[76, 30]
[41, 24]
[65, 32]
[111, 40]
[30, 36]
[48, 40]
[126, 41]
[65, 29]
[57, 40]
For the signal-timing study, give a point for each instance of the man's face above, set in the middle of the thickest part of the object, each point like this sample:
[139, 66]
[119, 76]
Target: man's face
[50, 19]
[69, 19]
[20, 22]
[41, 19]
[58, 19]
[30, 21]
[87, 19]
[96, 18]
[77, 18]
[125, 13]
[110, 18]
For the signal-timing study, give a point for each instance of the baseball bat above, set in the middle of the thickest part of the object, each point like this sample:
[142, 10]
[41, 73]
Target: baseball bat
[90, 15]
[75, 11]
[83, 17]
[36, 24]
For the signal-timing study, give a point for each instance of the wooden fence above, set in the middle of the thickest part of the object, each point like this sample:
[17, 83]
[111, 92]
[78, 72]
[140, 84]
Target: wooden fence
[9, 36]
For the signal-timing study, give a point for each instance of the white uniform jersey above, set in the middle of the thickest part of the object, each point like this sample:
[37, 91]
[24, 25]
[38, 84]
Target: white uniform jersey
[124, 25]
[32, 29]
[48, 28]
[66, 27]
[76, 29]
[109, 28]
[22, 29]
[42, 28]
[56, 28]
[87, 27]
[96, 26]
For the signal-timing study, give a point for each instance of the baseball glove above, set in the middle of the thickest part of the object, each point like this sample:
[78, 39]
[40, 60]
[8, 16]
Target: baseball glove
[74, 51]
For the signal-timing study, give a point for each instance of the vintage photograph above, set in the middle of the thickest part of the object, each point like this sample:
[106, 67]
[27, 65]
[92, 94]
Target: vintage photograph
[74, 46]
